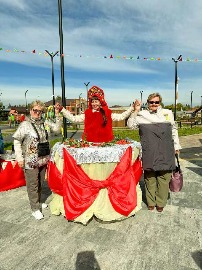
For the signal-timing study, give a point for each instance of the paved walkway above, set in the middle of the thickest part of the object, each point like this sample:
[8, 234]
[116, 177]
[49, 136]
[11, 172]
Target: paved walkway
[170, 240]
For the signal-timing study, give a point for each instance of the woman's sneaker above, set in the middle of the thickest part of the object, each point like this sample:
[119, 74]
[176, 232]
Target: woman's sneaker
[44, 205]
[38, 215]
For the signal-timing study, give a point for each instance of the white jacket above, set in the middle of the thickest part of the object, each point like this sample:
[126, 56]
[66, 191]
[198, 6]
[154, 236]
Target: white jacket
[81, 117]
[161, 116]
[26, 141]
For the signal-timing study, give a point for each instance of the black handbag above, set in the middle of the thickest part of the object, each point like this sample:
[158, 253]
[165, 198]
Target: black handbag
[43, 148]
[176, 181]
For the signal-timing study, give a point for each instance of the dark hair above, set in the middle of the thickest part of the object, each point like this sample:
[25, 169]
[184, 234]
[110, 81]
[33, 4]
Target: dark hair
[104, 117]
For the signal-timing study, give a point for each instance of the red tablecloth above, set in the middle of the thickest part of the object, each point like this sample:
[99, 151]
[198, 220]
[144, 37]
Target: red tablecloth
[11, 175]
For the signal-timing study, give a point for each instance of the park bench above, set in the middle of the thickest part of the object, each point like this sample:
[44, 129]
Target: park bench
[192, 122]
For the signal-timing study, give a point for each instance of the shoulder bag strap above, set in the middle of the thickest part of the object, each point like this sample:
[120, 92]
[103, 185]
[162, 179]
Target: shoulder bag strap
[38, 132]
[178, 163]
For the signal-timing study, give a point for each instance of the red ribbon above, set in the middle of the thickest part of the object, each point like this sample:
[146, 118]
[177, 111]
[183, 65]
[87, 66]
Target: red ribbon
[79, 191]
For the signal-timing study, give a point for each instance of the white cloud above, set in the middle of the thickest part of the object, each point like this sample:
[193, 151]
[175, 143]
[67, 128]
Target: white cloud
[145, 28]
[21, 4]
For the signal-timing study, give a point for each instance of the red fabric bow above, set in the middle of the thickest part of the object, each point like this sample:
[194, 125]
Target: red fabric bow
[79, 191]
[54, 179]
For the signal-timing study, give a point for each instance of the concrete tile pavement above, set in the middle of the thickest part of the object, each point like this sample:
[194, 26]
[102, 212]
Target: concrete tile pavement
[150, 240]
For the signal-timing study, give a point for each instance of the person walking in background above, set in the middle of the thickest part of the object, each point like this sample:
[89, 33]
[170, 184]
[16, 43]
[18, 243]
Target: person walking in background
[9, 121]
[160, 141]
[97, 118]
[32, 152]
[13, 122]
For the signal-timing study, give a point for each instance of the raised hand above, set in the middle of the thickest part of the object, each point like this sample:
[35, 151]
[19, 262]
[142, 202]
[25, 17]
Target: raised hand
[137, 105]
[58, 107]
[21, 164]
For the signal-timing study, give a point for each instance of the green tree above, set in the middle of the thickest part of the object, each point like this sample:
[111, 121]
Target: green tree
[186, 107]
[170, 107]
[179, 106]
[58, 98]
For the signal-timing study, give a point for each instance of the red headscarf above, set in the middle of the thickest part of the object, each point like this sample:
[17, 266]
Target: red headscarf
[95, 91]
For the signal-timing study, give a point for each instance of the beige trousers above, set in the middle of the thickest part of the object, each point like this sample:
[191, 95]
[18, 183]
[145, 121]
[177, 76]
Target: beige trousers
[34, 182]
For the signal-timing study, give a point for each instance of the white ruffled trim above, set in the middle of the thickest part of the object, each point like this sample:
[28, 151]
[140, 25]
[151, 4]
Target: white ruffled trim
[94, 154]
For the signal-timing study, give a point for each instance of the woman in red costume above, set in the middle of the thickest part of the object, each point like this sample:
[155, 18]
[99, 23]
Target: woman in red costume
[97, 118]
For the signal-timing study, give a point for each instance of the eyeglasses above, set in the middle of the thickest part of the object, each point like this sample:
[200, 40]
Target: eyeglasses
[154, 102]
[37, 111]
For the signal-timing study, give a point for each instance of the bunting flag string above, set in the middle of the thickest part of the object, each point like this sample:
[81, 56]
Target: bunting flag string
[111, 56]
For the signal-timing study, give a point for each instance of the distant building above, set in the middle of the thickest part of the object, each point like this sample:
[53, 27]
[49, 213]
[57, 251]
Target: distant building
[18, 109]
[75, 106]
[184, 114]
[119, 109]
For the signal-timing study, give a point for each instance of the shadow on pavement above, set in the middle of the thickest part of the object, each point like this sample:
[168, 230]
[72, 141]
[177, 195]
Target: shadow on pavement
[197, 256]
[46, 192]
[86, 261]
[195, 170]
[193, 155]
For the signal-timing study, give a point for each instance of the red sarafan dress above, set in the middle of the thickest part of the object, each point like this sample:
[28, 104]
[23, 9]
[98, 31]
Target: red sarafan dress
[94, 130]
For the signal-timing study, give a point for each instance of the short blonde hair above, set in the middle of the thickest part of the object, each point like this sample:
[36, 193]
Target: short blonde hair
[153, 96]
[37, 103]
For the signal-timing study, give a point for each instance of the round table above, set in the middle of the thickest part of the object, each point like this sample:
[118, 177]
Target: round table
[95, 163]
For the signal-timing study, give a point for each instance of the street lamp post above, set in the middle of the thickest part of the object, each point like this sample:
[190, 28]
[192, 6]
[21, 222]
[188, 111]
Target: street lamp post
[191, 99]
[80, 103]
[176, 81]
[53, 90]
[201, 110]
[141, 95]
[86, 84]
[26, 102]
[177, 91]
[62, 66]
[1, 107]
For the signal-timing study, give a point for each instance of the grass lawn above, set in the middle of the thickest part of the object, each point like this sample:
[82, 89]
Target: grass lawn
[134, 134]
[124, 133]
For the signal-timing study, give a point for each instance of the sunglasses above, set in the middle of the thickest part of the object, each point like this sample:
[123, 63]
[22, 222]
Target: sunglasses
[154, 102]
[37, 111]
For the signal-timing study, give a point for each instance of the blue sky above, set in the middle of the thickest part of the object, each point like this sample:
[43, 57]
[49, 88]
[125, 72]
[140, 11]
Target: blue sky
[94, 29]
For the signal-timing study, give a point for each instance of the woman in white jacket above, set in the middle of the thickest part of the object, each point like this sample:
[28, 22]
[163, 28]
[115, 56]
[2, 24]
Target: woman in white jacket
[160, 142]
